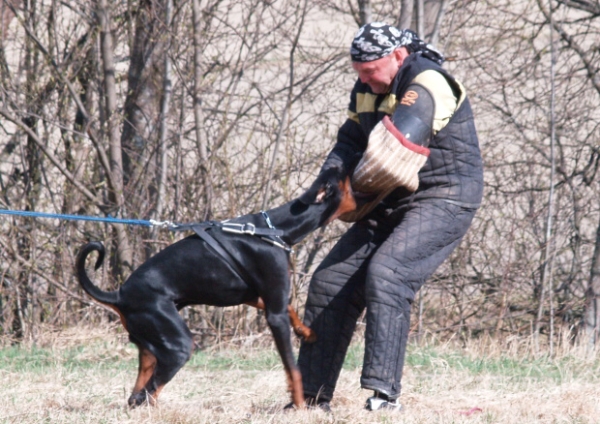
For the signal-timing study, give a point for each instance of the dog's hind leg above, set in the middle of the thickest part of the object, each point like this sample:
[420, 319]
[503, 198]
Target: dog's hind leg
[147, 364]
[165, 346]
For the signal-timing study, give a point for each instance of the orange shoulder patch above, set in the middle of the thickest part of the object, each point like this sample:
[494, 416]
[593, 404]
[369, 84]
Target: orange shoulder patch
[409, 98]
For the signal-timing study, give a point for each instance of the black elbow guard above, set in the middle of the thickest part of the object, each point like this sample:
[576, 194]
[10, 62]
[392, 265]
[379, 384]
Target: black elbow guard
[414, 113]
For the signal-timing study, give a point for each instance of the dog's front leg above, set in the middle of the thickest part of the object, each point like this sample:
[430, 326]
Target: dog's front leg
[280, 328]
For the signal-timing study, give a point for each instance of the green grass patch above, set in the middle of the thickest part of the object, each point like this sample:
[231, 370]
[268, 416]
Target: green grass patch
[30, 360]
[354, 357]
[101, 356]
[430, 359]
[39, 360]
[426, 360]
[259, 360]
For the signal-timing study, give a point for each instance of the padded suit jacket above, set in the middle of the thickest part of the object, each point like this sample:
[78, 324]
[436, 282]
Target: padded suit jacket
[453, 171]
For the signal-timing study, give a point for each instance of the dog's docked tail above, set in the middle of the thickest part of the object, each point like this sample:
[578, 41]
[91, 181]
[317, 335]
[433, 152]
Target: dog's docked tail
[108, 298]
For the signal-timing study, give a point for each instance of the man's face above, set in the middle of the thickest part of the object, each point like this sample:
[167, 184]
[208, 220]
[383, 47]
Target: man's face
[380, 73]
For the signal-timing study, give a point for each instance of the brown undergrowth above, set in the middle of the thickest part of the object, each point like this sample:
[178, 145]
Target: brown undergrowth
[85, 374]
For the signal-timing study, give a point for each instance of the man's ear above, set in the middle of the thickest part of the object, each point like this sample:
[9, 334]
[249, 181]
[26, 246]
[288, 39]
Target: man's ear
[400, 54]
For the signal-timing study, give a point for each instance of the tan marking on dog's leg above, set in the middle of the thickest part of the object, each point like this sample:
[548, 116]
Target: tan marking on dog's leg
[295, 385]
[258, 303]
[300, 329]
[154, 397]
[117, 311]
[147, 363]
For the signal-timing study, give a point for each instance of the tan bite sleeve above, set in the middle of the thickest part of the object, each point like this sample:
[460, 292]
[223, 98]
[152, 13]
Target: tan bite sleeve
[390, 161]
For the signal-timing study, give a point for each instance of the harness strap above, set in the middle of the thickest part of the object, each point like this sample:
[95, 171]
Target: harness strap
[248, 228]
[231, 227]
[201, 230]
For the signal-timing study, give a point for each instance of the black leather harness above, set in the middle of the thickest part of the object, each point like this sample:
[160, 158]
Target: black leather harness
[270, 235]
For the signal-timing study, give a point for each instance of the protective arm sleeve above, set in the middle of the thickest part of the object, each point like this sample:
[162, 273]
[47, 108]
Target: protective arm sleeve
[414, 115]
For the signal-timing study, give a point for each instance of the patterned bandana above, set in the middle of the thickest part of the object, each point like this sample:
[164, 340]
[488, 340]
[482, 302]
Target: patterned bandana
[377, 39]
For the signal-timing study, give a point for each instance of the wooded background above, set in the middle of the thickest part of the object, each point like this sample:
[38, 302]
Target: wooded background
[206, 109]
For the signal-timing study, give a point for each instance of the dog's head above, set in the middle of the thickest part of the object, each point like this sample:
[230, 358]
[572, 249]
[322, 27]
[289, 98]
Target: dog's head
[331, 193]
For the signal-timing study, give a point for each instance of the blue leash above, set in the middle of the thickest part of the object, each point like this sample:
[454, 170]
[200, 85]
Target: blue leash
[228, 227]
[270, 235]
[150, 223]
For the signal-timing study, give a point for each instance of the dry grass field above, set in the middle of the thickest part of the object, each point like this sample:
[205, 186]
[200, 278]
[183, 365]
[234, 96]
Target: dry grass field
[84, 376]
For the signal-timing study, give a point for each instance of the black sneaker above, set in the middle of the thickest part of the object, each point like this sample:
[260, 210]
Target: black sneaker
[380, 401]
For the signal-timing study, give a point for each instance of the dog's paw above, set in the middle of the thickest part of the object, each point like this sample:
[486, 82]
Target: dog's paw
[140, 399]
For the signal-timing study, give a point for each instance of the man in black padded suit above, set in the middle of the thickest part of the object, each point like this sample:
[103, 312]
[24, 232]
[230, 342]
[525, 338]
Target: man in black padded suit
[385, 257]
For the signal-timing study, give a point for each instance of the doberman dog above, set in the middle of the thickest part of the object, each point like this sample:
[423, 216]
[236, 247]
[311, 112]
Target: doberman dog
[191, 271]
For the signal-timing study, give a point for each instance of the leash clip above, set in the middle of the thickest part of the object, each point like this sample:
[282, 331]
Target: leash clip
[235, 228]
[162, 224]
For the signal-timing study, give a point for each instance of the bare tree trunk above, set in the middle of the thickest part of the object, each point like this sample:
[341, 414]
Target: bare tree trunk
[116, 197]
[32, 178]
[162, 157]
[591, 318]
[546, 274]
[201, 141]
[406, 14]
[420, 27]
[6, 16]
[364, 12]
[75, 147]
[551, 201]
[142, 105]
[434, 38]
